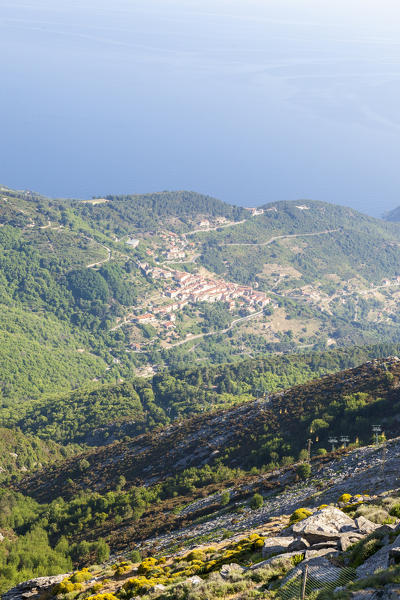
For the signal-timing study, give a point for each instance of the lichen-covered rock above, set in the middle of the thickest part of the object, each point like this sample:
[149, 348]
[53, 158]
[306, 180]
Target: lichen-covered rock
[298, 544]
[348, 539]
[365, 525]
[389, 592]
[276, 545]
[158, 587]
[194, 580]
[227, 570]
[33, 587]
[378, 561]
[320, 569]
[326, 524]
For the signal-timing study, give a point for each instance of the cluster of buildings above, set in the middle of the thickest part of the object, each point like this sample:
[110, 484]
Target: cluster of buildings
[193, 288]
[183, 288]
[186, 287]
[175, 245]
[254, 211]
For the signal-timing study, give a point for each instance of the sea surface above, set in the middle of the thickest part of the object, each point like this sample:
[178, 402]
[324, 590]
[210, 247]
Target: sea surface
[247, 100]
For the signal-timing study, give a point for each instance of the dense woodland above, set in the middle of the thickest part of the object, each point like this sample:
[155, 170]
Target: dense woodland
[99, 415]
[124, 214]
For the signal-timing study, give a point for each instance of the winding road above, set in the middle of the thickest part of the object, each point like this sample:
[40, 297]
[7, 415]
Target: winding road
[203, 335]
[101, 262]
[280, 237]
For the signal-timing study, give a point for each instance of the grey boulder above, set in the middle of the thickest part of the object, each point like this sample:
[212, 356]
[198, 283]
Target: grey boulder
[298, 544]
[364, 525]
[228, 570]
[276, 545]
[326, 524]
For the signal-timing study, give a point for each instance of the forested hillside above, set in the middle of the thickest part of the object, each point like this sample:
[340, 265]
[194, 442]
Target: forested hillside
[97, 278]
[262, 432]
[344, 242]
[99, 415]
[22, 453]
[177, 211]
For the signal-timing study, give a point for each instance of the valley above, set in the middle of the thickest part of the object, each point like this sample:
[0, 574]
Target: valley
[180, 374]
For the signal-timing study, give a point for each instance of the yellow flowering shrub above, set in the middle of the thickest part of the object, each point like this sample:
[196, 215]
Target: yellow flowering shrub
[80, 576]
[299, 515]
[195, 555]
[345, 498]
[107, 596]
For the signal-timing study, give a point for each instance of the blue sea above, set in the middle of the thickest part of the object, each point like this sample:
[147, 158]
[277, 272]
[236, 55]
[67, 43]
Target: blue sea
[247, 100]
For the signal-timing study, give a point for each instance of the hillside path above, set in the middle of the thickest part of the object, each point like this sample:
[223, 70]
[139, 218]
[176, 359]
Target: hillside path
[205, 229]
[103, 261]
[208, 334]
[281, 237]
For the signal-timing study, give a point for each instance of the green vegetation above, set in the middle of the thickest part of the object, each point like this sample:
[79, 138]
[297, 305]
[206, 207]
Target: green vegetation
[21, 453]
[70, 293]
[304, 470]
[341, 250]
[257, 501]
[97, 415]
[39, 354]
[149, 212]
[299, 515]
[262, 436]
[35, 550]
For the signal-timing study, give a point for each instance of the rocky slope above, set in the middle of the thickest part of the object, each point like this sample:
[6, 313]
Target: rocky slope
[335, 551]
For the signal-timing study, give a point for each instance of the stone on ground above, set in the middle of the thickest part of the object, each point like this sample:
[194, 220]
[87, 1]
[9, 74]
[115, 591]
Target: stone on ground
[326, 524]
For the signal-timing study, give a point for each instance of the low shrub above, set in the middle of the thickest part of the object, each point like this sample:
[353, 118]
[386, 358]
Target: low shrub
[135, 556]
[374, 513]
[225, 498]
[299, 515]
[365, 548]
[345, 498]
[81, 576]
[196, 555]
[395, 510]
[303, 470]
[256, 502]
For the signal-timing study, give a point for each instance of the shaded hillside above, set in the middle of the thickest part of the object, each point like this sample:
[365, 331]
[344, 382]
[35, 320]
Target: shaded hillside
[253, 434]
[393, 215]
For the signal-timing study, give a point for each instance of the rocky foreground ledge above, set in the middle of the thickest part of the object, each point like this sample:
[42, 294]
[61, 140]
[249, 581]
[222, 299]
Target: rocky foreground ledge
[345, 559]
[34, 588]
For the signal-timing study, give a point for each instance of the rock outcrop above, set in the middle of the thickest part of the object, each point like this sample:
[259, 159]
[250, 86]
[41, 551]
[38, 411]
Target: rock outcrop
[277, 545]
[33, 588]
[324, 525]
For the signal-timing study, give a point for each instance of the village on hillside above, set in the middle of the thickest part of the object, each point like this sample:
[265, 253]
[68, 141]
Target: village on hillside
[184, 288]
